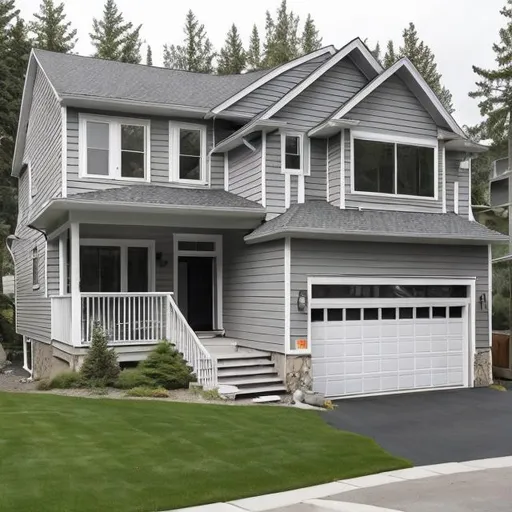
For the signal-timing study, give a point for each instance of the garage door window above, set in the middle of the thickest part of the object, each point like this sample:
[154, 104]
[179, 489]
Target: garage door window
[338, 291]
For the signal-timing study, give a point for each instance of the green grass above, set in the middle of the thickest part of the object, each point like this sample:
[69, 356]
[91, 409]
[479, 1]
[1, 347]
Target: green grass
[76, 454]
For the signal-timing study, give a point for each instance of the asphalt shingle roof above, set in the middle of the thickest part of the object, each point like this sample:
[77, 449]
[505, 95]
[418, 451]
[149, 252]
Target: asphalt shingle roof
[172, 196]
[87, 76]
[321, 217]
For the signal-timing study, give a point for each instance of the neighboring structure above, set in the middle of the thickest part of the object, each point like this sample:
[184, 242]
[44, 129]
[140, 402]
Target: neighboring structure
[308, 224]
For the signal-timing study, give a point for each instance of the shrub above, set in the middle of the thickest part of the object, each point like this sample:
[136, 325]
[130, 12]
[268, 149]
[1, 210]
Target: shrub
[132, 378]
[166, 367]
[147, 392]
[43, 385]
[66, 380]
[100, 364]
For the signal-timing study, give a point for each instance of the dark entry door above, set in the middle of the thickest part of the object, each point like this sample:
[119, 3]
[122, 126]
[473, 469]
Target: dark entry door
[195, 291]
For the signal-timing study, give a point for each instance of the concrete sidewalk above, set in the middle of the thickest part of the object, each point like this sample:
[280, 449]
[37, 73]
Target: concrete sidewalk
[476, 486]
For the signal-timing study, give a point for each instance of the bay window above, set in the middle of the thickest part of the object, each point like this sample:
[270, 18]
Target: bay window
[114, 148]
[396, 168]
[187, 153]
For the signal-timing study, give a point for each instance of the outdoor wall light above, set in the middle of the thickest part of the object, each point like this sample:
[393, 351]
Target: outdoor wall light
[302, 300]
[160, 260]
[483, 301]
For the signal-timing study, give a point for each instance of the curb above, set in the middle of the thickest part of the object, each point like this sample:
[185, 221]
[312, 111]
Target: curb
[287, 498]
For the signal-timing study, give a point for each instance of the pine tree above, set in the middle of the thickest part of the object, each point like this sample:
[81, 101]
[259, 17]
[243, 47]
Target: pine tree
[376, 52]
[51, 30]
[113, 38]
[232, 57]
[390, 56]
[196, 53]
[310, 40]
[149, 56]
[254, 52]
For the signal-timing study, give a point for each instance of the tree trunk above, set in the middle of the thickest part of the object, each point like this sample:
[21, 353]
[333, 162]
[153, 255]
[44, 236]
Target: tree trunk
[510, 226]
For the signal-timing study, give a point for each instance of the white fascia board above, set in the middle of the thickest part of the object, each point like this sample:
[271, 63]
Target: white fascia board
[356, 44]
[402, 63]
[269, 76]
[331, 127]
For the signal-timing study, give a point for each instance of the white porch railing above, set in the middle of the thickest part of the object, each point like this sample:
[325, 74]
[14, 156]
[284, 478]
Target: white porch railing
[61, 318]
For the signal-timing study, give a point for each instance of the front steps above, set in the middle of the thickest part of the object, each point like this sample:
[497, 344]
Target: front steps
[252, 372]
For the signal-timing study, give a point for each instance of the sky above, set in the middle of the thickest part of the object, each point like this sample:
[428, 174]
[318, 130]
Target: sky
[459, 32]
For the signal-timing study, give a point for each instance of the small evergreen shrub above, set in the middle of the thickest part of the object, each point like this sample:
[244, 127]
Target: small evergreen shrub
[166, 367]
[100, 365]
[147, 392]
[132, 378]
[66, 380]
[43, 385]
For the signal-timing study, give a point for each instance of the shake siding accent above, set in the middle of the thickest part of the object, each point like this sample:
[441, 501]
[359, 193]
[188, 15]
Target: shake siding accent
[275, 89]
[324, 96]
[43, 151]
[274, 176]
[245, 171]
[359, 258]
[407, 204]
[393, 108]
[316, 183]
[455, 173]
[254, 293]
[334, 170]
[53, 267]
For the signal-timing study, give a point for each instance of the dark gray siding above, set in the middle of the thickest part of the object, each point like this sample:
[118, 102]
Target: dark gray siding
[254, 293]
[53, 267]
[275, 89]
[294, 189]
[324, 96]
[316, 183]
[245, 171]
[334, 169]
[335, 258]
[274, 177]
[43, 151]
[455, 173]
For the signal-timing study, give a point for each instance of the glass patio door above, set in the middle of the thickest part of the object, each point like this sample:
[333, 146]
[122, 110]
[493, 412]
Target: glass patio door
[100, 269]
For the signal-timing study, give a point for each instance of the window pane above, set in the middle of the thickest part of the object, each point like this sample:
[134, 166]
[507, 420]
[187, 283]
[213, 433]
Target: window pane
[190, 168]
[374, 166]
[422, 312]
[405, 313]
[292, 145]
[190, 142]
[335, 315]
[388, 313]
[97, 135]
[97, 162]
[138, 259]
[371, 314]
[415, 173]
[292, 162]
[317, 315]
[439, 312]
[353, 314]
[132, 164]
[132, 137]
[205, 246]
[456, 312]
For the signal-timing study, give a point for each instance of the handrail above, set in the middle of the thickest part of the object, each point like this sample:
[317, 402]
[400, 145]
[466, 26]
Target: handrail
[127, 294]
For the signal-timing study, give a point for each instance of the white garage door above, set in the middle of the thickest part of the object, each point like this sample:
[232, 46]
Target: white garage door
[380, 345]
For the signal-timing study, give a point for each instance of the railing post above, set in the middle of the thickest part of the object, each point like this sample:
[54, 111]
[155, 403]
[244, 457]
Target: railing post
[76, 306]
[168, 318]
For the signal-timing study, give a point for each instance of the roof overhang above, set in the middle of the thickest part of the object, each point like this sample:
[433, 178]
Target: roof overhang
[465, 146]
[331, 127]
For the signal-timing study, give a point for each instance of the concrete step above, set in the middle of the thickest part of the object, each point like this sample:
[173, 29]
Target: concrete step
[261, 390]
[240, 363]
[242, 355]
[245, 370]
[250, 381]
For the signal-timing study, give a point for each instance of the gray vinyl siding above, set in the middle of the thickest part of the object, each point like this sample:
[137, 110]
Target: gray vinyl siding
[294, 189]
[408, 204]
[53, 267]
[274, 177]
[266, 95]
[455, 173]
[43, 151]
[320, 258]
[334, 169]
[245, 171]
[254, 293]
[324, 96]
[316, 182]
[159, 149]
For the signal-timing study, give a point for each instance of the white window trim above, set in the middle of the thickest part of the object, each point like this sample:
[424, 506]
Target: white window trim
[32, 258]
[114, 153]
[394, 139]
[300, 136]
[174, 152]
[123, 244]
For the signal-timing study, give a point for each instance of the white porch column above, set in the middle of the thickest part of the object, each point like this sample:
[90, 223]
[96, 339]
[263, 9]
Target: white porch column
[74, 241]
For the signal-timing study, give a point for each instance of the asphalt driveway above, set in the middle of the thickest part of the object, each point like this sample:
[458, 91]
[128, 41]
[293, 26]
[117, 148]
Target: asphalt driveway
[432, 427]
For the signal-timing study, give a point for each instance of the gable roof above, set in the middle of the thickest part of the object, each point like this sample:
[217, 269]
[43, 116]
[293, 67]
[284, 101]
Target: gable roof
[319, 219]
[405, 69]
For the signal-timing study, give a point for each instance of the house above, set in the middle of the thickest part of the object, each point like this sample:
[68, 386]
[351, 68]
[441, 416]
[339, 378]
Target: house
[304, 226]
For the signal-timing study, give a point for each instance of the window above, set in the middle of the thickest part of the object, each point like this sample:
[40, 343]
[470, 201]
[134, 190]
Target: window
[394, 168]
[114, 148]
[188, 153]
[387, 291]
[35, 269]
[292, 153]
[30, 183]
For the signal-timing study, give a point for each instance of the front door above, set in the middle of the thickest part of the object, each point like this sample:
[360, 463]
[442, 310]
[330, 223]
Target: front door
[196, 289]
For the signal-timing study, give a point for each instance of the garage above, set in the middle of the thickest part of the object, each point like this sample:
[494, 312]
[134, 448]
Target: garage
[392, 335]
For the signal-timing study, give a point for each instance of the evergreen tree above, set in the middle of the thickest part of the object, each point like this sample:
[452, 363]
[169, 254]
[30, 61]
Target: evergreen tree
[310, 39]
[232, 56]
[196, 53]
[254, 52]
[51, 30]
[390, 56]
[149, 56]
[113, 38]
[376, 51]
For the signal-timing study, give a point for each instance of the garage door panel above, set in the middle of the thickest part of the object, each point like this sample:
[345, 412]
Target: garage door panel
[353, 332]
[354, 367]
[389, 347]
[390, 383]
[319, 369]
[405, 328]
[455, 378]
[371, 366]
[423, 346]
[353, 348]
[353, 386]
[389, 364]
[406, 363]
[423, 362]
[440, 362]
[406, 347]
[423, 379]
[389, 329]
[371, 347]
[371, 330]
[439, 378]
[440, 345]
[371, 384]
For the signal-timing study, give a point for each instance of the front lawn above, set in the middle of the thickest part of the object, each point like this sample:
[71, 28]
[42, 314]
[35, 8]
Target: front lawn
[76, 454]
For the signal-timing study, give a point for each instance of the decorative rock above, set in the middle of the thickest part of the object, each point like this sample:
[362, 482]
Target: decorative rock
[316, 399]
[298, 373]
[227, 392]
[298, 396]
[483, 368]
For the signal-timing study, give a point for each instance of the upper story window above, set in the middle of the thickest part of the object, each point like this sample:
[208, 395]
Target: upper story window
[292, 153]
[35, 269]
[114, 148]
[395, 167]
[187, 150]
